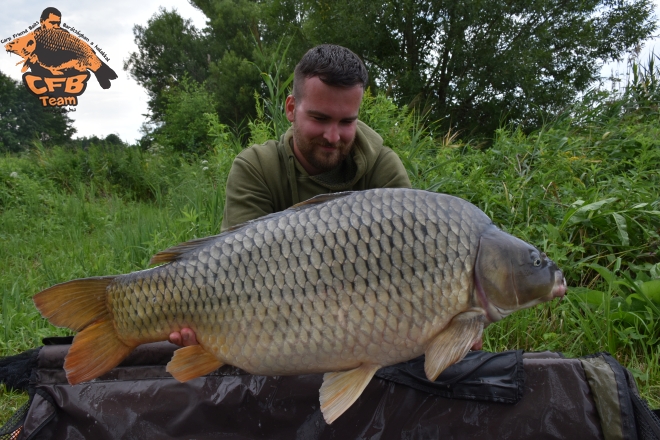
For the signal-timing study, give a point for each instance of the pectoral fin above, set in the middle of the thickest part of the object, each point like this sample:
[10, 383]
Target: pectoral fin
[453, 343]
[340, 390]
[191, 362]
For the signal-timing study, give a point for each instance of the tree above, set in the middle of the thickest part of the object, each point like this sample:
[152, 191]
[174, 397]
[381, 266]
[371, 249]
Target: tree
[23, 119]
[111, 141]
[479, 63]
[169, 48]
[226, 56]
[476, 64]
[185, 126]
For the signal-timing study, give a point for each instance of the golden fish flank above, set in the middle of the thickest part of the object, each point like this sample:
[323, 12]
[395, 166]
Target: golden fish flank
[344, 283]
[287, 299]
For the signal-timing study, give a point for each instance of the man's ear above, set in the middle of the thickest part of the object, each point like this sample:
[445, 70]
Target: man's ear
[289, 107]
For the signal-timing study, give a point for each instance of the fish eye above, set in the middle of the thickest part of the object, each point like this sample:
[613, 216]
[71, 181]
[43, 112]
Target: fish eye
[537, 262]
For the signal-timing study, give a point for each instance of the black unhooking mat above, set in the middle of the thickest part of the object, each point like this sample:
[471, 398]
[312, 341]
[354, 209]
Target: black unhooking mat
[486, 396]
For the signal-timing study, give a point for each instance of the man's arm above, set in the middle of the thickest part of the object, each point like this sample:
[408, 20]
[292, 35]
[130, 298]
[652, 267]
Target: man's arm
[389, 172]
[247, 195]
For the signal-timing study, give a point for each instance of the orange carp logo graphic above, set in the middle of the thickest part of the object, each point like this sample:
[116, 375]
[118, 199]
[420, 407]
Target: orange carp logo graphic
[58, 61]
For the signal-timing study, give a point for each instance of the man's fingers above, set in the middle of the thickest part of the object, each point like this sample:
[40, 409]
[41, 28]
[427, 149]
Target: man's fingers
[175, 338]
[184, 338]
[189, 337]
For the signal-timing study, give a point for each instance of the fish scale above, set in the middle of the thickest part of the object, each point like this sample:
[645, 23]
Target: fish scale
[344, 283]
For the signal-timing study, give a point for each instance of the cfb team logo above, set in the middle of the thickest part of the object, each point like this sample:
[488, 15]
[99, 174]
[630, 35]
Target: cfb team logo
[58, 61]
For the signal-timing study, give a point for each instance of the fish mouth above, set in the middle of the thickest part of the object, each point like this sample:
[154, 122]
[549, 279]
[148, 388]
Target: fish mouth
[560, 288]
[495, 313]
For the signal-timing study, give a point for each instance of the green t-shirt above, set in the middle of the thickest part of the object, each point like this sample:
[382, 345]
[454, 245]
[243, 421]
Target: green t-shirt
[268, 178]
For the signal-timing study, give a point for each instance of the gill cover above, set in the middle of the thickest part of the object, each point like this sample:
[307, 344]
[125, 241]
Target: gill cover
[511, 274]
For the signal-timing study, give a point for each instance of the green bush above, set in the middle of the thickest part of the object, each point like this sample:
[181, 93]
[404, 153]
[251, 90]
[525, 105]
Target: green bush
[185, 128]
[125, 170]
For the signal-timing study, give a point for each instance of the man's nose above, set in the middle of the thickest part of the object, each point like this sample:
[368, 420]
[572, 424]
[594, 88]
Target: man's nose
[331, 133]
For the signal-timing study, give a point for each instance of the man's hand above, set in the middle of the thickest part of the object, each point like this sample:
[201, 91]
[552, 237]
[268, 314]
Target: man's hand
[184, 338]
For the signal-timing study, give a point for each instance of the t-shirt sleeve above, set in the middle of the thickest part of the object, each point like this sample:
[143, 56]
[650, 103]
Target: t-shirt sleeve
[389, 172]
[247, 194]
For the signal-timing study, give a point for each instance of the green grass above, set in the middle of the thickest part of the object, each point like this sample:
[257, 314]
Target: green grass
[11, 402]
[585, 189]
[54, 231]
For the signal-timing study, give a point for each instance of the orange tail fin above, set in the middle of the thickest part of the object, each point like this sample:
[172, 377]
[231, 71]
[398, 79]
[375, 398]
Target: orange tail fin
[81, 305]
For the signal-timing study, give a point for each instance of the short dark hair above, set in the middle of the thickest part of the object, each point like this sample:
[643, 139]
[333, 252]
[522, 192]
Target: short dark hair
[334, 65]
[46, 13]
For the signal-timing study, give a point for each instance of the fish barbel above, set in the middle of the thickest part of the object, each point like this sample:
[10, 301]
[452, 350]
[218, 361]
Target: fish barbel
[342, 284]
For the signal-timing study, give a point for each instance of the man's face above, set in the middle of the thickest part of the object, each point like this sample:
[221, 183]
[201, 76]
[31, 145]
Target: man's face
[52, 22]
[324, 124]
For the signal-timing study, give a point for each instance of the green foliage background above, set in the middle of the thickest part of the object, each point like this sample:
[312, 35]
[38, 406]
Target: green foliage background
[584, 189]
[23, 119]
[472, 65]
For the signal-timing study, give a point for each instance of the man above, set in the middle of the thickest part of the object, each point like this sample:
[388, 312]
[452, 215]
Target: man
[51, 18]
[326, 149]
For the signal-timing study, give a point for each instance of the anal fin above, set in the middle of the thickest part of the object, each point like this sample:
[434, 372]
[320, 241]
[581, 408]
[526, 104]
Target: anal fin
[340, 390]
[94, 351]
[453, 343]
[191, 362]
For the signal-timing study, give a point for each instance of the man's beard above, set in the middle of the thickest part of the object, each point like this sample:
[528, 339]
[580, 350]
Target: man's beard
[318, 158]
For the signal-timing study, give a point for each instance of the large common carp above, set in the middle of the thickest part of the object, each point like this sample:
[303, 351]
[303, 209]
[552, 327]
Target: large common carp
[342, 284]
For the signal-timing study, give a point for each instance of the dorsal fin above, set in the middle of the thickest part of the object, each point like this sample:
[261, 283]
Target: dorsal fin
[321, 198]
[174, 253]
